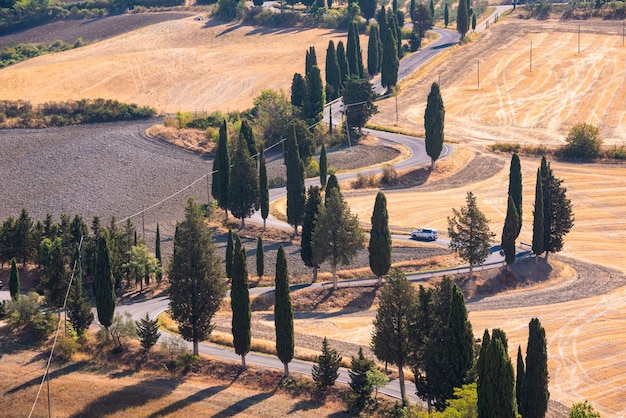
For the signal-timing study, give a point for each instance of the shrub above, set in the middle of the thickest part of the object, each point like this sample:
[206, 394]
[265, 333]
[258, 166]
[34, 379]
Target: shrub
[583, 410]
[505, 147]
[23, 310]
[66, 348]
[4, 304]
[617, 153]
[277, 181]
[43, 325]
[313, 169]
[390, 175]
[583, 141]
[364, 181]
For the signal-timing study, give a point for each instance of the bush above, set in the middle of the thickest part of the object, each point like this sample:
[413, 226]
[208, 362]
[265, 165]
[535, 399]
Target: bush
[617, 153]
[313, 169]
[390, 175]
[66, 348]
[23, 310]
[364, 181]
[583, 141]
[583, 410]
[277, 181]
[43, 325]
[4, 305]
[505, 147]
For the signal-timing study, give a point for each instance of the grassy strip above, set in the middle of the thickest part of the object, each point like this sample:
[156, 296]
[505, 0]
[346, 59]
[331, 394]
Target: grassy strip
[13, 54]
[613, 153]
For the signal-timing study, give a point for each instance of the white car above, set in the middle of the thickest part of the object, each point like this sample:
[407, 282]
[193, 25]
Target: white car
[427, 234]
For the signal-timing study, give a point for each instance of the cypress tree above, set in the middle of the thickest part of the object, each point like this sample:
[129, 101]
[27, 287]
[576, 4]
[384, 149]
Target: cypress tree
[496, 396]
[264, 192]
[395, 25]
[260, 257]
[446, 16]
[221, 171]
[352, 51]
[283, 312]
[342, 60]
[558, 218]
[359, 51]
[368, 8]
[462, 18]
[326, 371]
[314, 109]
[298, 90]
[536, 394]
[310, 61]
[537, 246]
[509, 231]
[359, 382]
[380, 239]
[78, 309]
[431, 8]
[157, 254]
[480, 362]
[323, 167]
[434, 117]
[473, 22]
[243, 189]
[515, 188]
[333, 73]
[103, 284]
[240, 304]
[519, 382]
[246, 132]
[296, 197]
[148, 332]
[14, 281]
[412, 10]
[229, 257]
[308, 228]
[381, 18]
[390, 64]
[332, 183]
[372, 51]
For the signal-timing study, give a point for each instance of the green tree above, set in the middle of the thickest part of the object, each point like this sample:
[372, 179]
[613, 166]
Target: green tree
[230, 254]
[583, 410]
[342, 60]
[469, 233]
[148, 332]
[78, 308]
[221, 171]
[431, 8]
[446, 16]
[326, 370]
[519, 382]
[337, 234]
[283, 312]
[496, 392]
[509, 232]
[316, 98]
[381, 18]
[434, 117]
[462, 18]
[246, 133]
[313, 203]
[583, 141]
[196, 277]
[535, 394]
[260, 257]
[359, 381]
[23, 241]
[304, 138]
[103, 283]
[323, 166]
[515, 188]
[374, 47]
[558, 217]
[14, 281]
[368, 8]
[298, 90]
[473, 22]
[333, 73]
[422, 22]
[391, 336]
[333, 183]
[537, 245]
[296, 197]
[240, 305]
[380, 239]
[142, 265]
[353, 52]
[272, 112]
[157, 254]
[358, 100]
[310, 61]
[390, 62]
[264, 192]
[243, 189]
[395, 25]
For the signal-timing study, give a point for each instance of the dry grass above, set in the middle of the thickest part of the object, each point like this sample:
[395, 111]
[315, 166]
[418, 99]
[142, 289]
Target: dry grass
[191, 139]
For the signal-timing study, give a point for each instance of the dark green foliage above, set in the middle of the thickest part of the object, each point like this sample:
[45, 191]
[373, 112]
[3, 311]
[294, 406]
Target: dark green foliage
[391, 337]
[23, 241]
[103, 283]
[316, 97]
[148, 332]
[55, 275]
[195, 276]
[342, 60]
[446, 16]
[332, 183]
[496, 391]
[390, 62]
[537, 245]
[473, 21]
[323, 166]
[260, 257]
[583, 141]
[240, 305]
[380, 239]
[509, 232]
[374, 48]
[353, 52]
[412, 10]
[304, 138]
[296, 197]
[368, 8]
[230, 254]
[283, 312]
[558, 218]
[298, 90]
[264, 192]
[246, 133]
[359, 382]
[583, 410]
[310, 60]
[395, 26]
[221, 171]
[13, 54]
[359, 90]
[434, 117]
[499, 334]
[14, 281]
[313, 202]
[535, 394]
[431, 8]
[337, 234]
[78, 308]
[333, 73]
[157, 254]
[381, 18]
[462, 18]
[469, 233]
[482, 358]
[519, 382]
[515, 188]
[243, 188]
[326, 370]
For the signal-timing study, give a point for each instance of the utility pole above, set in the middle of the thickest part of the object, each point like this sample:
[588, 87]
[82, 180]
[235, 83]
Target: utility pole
[143, 224]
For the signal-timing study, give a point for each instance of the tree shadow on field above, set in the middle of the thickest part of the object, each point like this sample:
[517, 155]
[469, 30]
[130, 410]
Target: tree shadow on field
[183, 403]
[128, 397]
[306, 406]
[53, 375]
[410, 179]
[240, 406]
[363, 301]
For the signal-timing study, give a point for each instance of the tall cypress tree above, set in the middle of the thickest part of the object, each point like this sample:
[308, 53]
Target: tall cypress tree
[314, 106]
[381, 18]
[390, 63]
[313, 202]
[296, 197]
[260, 257]
[310, 61]
[264, 192]
[221, 171]
[519, 382]
[246, 133]
[342, 60]
[283, 312]
[352, 51]
[431, 8]
[323, 166]
[243, 189]
[157, 254]
[78, 309]
[496, 396]
[298, 90]
[536, 394]
[240, 304]
[412, 10]
[446, 16]
[434, 117]
[395, 25]
[558, 217]
[537, 246]
[509, 232]
[462, 18]
[230, 254]
[481, 361]
[515, 188]
[332, 183]
[380, 239]
[103, 284]
[333, 73]
[14, 281]
[373, 50]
